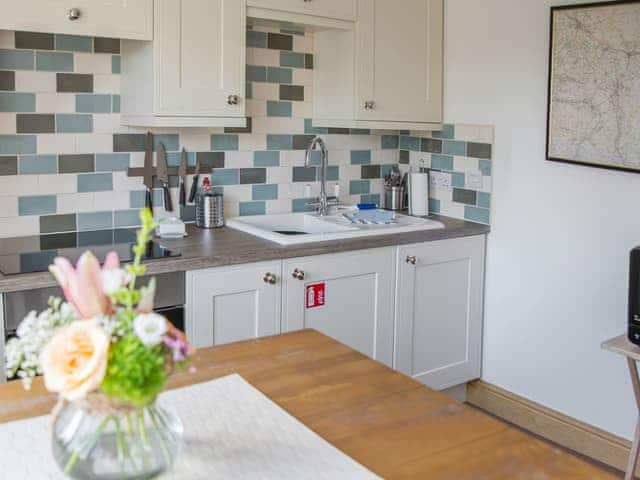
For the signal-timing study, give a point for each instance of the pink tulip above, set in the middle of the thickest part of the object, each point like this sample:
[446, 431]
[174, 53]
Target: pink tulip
[83, 286]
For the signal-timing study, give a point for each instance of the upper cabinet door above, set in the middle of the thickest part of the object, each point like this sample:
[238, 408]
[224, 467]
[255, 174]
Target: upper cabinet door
[102, 18]
[338, 9]
[199, 55]
[399, 60]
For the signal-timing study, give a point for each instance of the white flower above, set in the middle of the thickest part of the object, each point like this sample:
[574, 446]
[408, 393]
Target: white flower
[113, 279]
[150, 328]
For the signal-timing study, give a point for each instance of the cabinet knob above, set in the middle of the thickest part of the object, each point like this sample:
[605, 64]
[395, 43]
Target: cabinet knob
[269, 278]
[233, 99]
[369, 105]
[411, 260]
[298, 274]
[73, 14]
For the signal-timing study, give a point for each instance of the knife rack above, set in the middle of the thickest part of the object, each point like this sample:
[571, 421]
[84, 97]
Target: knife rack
[173, 171]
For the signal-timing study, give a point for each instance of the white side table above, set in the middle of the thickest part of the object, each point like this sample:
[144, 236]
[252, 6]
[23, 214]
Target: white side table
[624, 347]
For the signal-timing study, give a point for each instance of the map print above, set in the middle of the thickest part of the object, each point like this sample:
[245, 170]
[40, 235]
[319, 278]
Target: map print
[595, 86]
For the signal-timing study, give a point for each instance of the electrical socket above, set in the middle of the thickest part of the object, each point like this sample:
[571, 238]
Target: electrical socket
[440, 179]
[473, 180]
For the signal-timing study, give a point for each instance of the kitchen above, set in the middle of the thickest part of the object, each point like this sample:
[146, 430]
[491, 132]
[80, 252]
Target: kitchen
[243, 103]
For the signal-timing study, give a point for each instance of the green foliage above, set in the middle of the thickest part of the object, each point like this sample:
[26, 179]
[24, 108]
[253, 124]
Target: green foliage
[136, 268]
[135, 373]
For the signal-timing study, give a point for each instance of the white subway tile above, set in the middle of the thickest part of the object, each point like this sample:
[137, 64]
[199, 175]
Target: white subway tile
[17, 185]
[340, 157]
[35, 81]
[124, 183]
[106, 83]
[250, 142]
[302, 109]
[239, 159]
[302, 76]
[92, 63]
[308, 93]
[8, 206]
[108, 123]
[55, 103]
[56, 143]
[303, 44]
[7, 39]
[266, 91]
[136, 159]
[278, 125]
[282, 205]
[231, 209]
[464, 164]
[19, 226]
[112, 201]
[256, 108]
[58, 183]
[7, 123]
[76, 202]
[238, 193]
[264, 57]
[451, 209]
[292, 158]
[94, 143]
[195, 142]
[279, 174]
[384, 157]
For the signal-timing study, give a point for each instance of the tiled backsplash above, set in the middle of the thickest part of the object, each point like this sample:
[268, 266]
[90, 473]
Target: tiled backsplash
[64, 154]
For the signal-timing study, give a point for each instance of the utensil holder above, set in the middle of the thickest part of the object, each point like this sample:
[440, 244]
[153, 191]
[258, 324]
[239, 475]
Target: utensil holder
[209, 210]
[394, 198]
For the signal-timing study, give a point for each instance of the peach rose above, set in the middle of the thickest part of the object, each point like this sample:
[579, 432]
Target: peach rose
[74, 362]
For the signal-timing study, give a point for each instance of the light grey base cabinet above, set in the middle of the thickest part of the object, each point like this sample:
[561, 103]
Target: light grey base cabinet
[416, 308]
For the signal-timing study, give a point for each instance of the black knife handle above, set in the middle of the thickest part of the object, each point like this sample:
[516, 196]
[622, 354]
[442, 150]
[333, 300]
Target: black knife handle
[149, 199]
[194, 189]
[168, 204]
[182, 194]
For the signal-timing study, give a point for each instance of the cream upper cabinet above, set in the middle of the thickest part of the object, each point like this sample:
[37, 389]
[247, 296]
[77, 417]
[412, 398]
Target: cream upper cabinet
[100, 18]
[193, 73]
[386, 72]
[338, 9]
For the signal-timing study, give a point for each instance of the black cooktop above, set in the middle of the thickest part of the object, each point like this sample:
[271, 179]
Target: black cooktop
[35, 254]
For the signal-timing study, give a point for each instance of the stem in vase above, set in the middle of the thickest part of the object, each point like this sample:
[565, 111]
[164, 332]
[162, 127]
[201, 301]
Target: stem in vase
[163, 444]
[73, 459]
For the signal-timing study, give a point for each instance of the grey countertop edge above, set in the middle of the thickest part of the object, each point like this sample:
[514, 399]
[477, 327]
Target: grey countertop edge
[225, 246]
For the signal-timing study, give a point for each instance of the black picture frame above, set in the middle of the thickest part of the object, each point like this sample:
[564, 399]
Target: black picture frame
[553, 11]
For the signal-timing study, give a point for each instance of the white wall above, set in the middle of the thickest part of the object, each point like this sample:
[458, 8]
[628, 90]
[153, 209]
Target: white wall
[558, 252]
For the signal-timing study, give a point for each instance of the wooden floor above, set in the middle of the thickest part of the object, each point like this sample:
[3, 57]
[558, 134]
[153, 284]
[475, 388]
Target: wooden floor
[394, 426]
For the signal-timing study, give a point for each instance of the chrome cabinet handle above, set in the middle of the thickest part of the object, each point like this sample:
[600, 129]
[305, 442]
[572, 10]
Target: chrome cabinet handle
[298, 274]
[233, 99]
[73, 14]
[269, 278]
[412, 260]
[369, 105]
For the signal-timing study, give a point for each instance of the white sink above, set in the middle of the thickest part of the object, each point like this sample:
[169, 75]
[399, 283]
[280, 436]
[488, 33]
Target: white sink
[295, 228]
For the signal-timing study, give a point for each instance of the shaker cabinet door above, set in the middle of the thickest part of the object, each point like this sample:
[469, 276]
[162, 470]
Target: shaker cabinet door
[339, 9]
[230, 304]
[439, 311]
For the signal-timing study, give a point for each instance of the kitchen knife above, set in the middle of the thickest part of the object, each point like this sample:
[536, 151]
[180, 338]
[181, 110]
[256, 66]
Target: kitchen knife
[163, 176]
[194, 185]
[148, 170]
[182, 176]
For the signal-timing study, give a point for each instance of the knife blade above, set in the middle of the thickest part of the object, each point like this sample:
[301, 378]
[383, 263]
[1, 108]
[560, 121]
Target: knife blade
[148, 170]
[196, 178]
[163, 176]
[182, 174]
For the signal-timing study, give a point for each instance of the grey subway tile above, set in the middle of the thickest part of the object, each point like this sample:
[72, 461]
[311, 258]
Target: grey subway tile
[431, 145]
[16, 59]
[252, 208]
[55, 240]
[278, 41]
[106, 45]
[246, 129]
[266, 158]
[359, 187]
[264, 192]
[479, 150]
[91, 103]
[360, 131]
[80, 163]
[225, 176]
[9, 165]
[74, 123]
[7, 80]
[210, 160]
[256, 39]
[37, 261]
[256, 73]
[279, 109]
[403, 157]
[253, 175]
[308, 61]
[224, 142]
[128, 142]
[58, 223]
[304, 174]
[95, 221]
[95, 182]
[126, 218]
[17, 102]
[34, 40]
[292, 92]
[17, 144]
[112, 162]
[74, 82]
[279, 75]
[38, 164]
[54, 61]
[37, 205]
[302, 142]
[74, 43]
[370, 171]
[467, 197]
[360, 157]
[249, 90]
[291, 59]
[188, 213]
[338, 131]
[35, 123]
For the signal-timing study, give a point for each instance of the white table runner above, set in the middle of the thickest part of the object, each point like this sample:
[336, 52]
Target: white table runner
[231, 431]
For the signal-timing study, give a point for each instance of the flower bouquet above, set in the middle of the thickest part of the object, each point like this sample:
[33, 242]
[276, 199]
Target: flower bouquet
[107, 356]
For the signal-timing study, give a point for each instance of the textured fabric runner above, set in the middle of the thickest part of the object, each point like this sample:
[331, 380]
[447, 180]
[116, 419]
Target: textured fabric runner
[231, 431]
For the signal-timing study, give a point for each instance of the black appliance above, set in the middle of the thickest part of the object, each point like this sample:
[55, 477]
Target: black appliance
[633, 332]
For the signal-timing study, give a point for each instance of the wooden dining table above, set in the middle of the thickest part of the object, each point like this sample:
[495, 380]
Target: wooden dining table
[391, 424]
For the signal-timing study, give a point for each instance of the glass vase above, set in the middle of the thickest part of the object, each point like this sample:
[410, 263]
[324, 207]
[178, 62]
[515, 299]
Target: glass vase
[96, 440]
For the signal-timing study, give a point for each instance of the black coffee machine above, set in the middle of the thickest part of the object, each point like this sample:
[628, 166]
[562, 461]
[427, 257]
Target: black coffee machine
[634, 297]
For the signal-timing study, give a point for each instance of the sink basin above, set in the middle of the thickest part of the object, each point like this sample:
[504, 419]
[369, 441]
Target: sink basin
[295, 228]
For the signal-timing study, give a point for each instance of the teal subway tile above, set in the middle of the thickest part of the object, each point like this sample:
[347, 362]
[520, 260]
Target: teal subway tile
[484, 200]
[360, 131]
[390, 141]
[95, 182]
[386, 169]
[74, 43]
[279, 109]
[291, 59]
[225, 176]
[249, 90]
[333, 173]
[310, 129]
[269, 158]
[373, 198]
[17, 102]
[300, 205]
[315, 158]
[38, 164]
[116, 64]
[252, 208]
[256, 74]
[448, 131]
[74, 123]
[17, 144]
[457, 179]
[224, 142]
[279, 142]
[256, 39]
[359, 187]
[441, 162]
[279, 75]
[454, 147]
[54, 61]
[434, 205]
[95, 221]
[137, 198]
[360, 157]
[112, 162]
[171, 141]
[91, 103]
[16, 59]
[410, 143]
[476, 214]
[115, 103]
[126, 218]
[485, 167]
[174, 158]
[37, 205]
[264, 192]
[157, 197]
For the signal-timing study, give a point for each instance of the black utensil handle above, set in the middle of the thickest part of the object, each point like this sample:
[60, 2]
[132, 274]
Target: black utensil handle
[168, 205]
[149, 199]
[182, 194]
[194, 189]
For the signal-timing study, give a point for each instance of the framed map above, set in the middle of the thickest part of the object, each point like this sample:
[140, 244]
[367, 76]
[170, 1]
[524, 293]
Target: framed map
[594, 85]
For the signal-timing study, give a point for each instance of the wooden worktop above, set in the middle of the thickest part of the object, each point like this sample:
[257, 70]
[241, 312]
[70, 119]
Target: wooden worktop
[391, 424]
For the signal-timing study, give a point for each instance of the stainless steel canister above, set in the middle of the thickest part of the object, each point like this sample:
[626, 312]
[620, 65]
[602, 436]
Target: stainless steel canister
[394, 198]
[209, 210]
